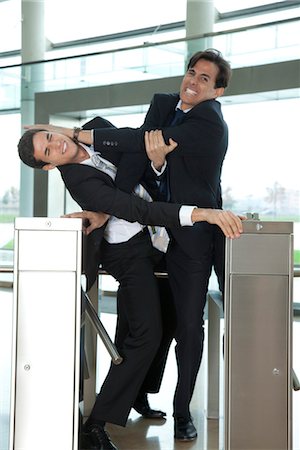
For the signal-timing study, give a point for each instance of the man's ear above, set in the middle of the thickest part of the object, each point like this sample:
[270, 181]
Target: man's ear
[219, 91]
[48, 167]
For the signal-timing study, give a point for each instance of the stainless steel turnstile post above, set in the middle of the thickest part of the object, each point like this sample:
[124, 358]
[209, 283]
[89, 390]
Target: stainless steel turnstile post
[46, 338]
[258, 328]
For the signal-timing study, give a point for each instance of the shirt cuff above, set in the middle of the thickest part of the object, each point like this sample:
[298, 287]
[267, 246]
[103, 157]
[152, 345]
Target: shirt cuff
[161, 171]
[185, 215]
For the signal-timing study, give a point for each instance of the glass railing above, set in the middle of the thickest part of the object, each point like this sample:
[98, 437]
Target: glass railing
[244, 47]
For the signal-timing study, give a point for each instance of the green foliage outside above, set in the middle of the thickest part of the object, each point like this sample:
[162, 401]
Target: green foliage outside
[8, 246]
[7, 218]
[279, 218]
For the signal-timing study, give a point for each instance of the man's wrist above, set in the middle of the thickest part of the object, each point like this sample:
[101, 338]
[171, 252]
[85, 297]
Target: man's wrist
[199, 214]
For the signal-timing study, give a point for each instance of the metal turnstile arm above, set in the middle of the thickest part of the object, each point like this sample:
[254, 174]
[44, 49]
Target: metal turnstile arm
[296, 383]
[100, 329]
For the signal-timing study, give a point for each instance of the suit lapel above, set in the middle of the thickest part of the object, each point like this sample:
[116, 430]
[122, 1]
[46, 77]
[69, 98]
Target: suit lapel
[170, 106]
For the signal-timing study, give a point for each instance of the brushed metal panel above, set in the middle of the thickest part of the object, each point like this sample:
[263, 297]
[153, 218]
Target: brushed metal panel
[265, 227]
[48, 224]
[45, 357]
[258, 338]
[263, 254]
[47, 250]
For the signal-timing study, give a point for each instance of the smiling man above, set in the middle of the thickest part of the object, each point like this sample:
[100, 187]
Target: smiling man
[193, 118]
[57, 148]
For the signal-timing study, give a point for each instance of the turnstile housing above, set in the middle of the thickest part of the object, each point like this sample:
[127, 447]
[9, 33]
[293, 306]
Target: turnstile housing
[46, 334]
[258, 328]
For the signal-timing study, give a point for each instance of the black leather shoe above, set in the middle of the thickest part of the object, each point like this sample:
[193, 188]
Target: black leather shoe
[141, 405]
[184, 429]
[94, 437]
[86, 442]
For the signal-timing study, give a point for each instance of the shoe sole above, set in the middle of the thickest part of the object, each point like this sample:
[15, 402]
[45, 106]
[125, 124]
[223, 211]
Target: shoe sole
[185, 439]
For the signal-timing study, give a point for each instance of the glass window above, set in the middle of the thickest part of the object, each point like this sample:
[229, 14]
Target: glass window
[117, 16]
[9, 184]
[234, 5]
[10, 25]
[99, 19]
[260, 172]
[256, 17]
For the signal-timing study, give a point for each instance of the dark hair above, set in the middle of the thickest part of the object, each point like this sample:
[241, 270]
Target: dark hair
[26, 149]
[216, 57]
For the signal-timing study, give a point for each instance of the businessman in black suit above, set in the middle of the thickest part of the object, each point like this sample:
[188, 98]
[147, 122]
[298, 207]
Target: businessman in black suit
[202, 138]
[132, 263]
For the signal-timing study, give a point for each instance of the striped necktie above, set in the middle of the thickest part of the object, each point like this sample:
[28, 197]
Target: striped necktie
[159, 235]
[104, 165]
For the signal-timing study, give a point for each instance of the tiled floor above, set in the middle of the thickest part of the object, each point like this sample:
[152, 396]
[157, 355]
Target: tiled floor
[140, 434]
[158, 435]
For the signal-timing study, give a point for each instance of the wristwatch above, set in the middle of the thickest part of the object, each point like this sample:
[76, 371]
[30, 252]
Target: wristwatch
[76, 131]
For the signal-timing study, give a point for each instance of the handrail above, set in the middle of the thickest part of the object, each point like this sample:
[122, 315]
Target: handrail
[9, 269]
[296, 383]
[155, 44]
[6, 269]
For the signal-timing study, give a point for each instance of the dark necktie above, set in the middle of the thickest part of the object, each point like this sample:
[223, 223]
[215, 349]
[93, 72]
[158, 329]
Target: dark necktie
[164, 185]
[178, 117]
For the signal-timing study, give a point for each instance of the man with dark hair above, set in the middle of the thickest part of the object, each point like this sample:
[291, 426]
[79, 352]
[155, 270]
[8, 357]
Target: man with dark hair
[192, 177]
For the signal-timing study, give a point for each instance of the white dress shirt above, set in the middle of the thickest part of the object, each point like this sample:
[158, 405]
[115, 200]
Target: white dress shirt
[120, 230]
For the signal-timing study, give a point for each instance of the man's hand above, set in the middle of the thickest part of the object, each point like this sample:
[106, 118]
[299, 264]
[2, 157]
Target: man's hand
[156, 148]
[92, 220]
[230, 224]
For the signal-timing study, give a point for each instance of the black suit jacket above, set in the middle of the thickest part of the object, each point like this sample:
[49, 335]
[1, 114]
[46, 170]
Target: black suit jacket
[194, 166]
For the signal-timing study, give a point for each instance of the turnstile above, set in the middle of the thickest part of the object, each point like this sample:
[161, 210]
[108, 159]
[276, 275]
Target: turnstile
[258, 328]
[46, 336]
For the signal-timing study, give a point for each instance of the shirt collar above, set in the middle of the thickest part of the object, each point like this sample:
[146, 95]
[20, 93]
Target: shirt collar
[88, 148]
[178, 106]
[90, 151]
